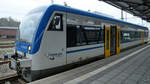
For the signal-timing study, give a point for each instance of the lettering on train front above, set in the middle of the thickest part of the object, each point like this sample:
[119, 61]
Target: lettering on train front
[59, 54]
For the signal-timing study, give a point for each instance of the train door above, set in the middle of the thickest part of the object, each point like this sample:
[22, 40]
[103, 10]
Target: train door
[107, 41]
[112, 40]
[118, 40]
[142, 37]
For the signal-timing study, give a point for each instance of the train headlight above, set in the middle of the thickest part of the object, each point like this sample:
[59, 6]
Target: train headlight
[29, 48]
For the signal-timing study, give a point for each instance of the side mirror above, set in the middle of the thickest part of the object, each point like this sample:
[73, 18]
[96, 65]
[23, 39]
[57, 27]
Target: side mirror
[56, 20]
[56, 23]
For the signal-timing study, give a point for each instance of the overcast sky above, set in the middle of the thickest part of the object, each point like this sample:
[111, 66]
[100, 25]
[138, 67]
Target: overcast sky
[18, 8]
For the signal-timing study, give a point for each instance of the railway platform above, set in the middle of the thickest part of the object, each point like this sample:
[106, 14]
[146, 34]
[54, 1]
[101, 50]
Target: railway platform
[129, 67]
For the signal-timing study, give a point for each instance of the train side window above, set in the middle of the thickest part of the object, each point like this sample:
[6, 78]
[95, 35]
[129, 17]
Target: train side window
[94, 34]
[75, 36]
[71, 35]
[125, 36]
[78, 35]
[56, 23]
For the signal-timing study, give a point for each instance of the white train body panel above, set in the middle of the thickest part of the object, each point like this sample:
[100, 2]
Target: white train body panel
[129, 44]
[52, 51]
[84, 52]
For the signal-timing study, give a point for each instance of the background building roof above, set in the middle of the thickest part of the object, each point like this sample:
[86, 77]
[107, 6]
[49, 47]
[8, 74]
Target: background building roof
[140, 8]
[8, 27]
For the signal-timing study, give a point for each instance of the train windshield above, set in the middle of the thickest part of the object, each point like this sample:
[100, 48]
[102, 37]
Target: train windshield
[29, 24]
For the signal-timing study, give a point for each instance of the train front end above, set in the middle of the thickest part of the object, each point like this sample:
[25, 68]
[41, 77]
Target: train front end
[25, 46]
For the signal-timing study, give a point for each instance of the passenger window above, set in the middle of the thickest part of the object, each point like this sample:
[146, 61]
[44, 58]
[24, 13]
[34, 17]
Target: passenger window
[56, 23]
[94, 34]
[78, 35]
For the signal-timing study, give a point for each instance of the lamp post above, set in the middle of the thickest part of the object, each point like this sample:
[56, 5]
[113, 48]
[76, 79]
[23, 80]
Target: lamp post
[52, 1]
[122, 14]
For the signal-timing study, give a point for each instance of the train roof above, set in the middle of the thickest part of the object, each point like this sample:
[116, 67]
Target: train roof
[86, 13]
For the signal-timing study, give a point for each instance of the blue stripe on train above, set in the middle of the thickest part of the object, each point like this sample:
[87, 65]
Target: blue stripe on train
[84, 49]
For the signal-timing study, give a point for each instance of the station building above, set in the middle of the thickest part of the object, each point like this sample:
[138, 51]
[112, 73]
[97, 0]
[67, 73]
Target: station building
[8, 33]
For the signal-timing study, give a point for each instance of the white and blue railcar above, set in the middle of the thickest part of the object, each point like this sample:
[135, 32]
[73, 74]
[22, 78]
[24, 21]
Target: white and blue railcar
[54, 36]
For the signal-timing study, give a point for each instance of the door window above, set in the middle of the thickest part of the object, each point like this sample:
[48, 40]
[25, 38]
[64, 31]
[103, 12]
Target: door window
[107, 42]
[118, 38]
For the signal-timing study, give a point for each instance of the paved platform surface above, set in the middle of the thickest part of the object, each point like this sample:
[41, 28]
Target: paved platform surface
[129, 67]
[135, 70]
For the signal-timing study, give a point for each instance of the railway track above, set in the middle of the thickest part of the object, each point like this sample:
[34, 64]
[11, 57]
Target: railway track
[13, 80]
[8, 76]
